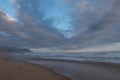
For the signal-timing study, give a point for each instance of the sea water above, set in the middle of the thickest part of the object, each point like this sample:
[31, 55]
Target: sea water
[113, 57]
[69, 69]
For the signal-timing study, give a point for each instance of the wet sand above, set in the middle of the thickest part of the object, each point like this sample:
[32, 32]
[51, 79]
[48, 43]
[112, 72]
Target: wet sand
[76, 70]
[14, 70]
[82, 70]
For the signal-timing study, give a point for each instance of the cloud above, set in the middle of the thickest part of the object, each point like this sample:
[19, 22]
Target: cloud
[88, 13]
[109, 18]
[84, 5]
[95, 22]
[102, 30]
[27, 32]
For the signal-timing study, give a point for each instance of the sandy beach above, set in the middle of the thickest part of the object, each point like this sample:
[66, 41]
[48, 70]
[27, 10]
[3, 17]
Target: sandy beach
[13, 70]
[51, 69]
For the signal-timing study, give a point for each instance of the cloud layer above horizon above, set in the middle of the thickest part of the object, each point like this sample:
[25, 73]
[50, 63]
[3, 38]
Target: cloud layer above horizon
[45, 23]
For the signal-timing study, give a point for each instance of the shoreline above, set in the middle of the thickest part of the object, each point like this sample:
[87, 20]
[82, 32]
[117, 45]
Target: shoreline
[115, 66]
[79, 70]
[16, 70]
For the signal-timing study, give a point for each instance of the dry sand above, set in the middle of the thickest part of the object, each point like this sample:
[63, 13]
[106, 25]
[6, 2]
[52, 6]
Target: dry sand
[13, 70]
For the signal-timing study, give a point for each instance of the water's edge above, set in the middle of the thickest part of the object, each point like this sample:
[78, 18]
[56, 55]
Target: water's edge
[60, 66]
[37, 64]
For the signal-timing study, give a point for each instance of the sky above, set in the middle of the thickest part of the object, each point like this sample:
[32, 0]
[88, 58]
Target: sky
[7, 7]
[59, 23]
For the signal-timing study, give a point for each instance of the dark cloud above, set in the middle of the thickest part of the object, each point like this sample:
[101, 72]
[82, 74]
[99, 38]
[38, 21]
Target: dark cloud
[94, 24]
[108, 19]
[88, 15]
[102, 31]
[27, 32]
[31, 14]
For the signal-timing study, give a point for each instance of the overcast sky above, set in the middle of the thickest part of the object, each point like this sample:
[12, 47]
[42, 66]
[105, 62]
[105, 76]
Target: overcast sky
[52, 23]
